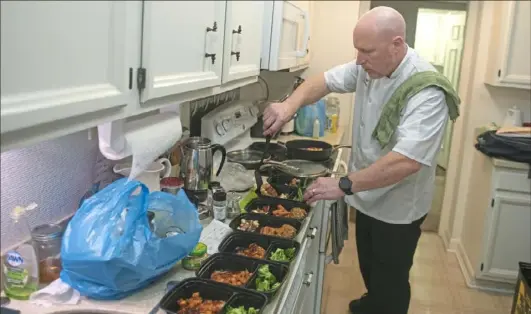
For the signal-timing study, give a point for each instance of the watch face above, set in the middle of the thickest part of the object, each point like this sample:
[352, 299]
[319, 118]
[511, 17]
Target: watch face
[345, 184]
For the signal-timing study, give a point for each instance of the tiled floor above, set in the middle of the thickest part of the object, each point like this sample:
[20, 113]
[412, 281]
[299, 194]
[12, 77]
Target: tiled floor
[437, 285]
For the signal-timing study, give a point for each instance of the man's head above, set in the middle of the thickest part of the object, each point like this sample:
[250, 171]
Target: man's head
[379, 37]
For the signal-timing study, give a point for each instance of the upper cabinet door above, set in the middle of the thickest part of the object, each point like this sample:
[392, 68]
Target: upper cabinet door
[182, 46]
[510, 65]
[243, 39]
[61, 59]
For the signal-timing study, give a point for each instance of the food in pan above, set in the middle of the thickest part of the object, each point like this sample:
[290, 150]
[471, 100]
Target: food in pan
[285, 231]
[313, 149]
[266, 281]
[196, 304]
[254, 250]
[296, 212]
[241, 310]
[235, 278]
[248, 225]
[283, 255]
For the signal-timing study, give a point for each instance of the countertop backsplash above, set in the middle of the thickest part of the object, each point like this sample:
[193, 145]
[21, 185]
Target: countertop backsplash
[54, 174]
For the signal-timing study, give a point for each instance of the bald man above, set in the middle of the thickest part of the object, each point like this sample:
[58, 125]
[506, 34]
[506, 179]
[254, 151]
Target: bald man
[390, 187]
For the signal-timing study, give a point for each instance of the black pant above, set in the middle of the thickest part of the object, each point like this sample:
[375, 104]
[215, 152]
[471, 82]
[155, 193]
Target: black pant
[385, 254]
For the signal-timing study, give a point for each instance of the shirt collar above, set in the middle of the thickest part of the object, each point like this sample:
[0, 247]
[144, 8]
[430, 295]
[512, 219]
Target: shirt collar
[401, 66]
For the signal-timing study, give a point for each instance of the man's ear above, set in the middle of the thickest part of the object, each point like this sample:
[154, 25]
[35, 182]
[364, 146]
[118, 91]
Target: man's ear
[398, 41]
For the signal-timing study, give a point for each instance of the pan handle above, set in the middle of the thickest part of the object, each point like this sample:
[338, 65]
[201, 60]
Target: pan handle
[282, 165]
[336, 147]
[342, 169]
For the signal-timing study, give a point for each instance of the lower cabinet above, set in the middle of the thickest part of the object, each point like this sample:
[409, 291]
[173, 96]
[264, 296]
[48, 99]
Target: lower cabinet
[507, 227]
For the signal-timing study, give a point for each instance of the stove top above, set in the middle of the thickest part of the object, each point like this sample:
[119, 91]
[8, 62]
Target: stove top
[281, 155]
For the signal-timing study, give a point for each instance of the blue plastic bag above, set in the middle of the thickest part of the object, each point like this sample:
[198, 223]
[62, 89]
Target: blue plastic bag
[306, 117]
[109, 252]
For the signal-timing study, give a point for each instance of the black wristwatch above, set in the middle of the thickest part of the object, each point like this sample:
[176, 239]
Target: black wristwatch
[345, 185]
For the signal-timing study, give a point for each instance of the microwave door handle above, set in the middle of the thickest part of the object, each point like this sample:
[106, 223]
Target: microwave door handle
[302, 53]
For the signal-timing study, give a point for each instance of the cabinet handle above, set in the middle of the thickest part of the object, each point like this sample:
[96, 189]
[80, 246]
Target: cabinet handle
[309, 277]
[211, 56]
[214, 28]
[312, 234]
[238, 31]
[237, 54]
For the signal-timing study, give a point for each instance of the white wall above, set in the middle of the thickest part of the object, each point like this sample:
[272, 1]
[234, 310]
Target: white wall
[55, 174]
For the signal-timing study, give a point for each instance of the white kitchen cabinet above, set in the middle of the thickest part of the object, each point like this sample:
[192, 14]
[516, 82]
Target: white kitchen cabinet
[243, 40]
[507, 227]
[307, 6]
[508, 236]
[510, 47]
[65, 59]
[182, 46]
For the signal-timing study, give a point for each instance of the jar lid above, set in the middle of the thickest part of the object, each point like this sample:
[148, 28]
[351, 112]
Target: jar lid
[199, 250]
[214, 184]
[46, 232]
[220, 196]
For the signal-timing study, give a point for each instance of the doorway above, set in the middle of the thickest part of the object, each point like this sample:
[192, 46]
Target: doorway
[436, 30]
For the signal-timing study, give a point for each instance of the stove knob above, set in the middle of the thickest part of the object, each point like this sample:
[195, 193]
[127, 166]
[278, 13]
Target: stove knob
[226, 124]
[219, 129]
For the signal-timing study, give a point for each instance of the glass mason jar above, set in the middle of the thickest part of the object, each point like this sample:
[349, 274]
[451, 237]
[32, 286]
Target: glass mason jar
[47, 242]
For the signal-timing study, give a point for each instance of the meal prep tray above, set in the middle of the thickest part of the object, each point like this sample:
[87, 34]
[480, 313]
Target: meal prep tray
[270, 244]
[211, 290]
[258, 203]
[284, 179]
[291, 192]
[265, 220]
[229, 262]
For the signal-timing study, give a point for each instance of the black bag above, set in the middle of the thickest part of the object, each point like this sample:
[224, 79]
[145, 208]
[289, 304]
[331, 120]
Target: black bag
[511, 148]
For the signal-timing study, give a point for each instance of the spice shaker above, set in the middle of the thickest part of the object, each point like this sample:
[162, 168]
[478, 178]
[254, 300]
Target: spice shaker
[219, 205]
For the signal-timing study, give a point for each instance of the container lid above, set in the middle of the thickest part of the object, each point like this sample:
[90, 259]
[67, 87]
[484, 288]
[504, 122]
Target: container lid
[199, 250]
[220, 196]
[46, 232]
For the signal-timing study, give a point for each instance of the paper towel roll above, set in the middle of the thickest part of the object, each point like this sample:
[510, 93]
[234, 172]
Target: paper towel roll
[145, 139]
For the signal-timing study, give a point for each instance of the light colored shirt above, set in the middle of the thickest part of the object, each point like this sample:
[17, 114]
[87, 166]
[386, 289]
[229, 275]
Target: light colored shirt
[418, 137]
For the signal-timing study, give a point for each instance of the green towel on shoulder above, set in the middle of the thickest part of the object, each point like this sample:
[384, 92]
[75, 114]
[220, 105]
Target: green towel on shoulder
[390, 117]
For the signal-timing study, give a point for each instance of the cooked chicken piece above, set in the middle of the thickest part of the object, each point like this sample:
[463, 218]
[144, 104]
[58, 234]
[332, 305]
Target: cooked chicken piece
[254, 251]
[267, 190]
[196, 305]
[286, 231]
[235, 278]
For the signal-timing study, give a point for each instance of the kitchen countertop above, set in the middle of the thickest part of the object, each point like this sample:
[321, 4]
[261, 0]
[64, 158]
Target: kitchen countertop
[145, 300]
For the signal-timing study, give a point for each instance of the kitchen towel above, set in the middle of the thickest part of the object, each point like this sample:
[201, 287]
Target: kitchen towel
[55, 293]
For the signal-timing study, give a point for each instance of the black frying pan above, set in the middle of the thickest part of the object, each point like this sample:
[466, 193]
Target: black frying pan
[276, 150]
[311, 150]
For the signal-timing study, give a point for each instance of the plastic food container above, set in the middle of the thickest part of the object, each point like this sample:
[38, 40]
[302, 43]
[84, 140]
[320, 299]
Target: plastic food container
[259, 203]
[263, 221]
[171, 185]
[195, 258]
[291, 192]
[229, 262]
[234, 241]
[209, 290]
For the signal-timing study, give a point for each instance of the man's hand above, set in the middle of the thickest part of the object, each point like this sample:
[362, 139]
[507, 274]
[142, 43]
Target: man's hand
[276, 115]
[323, 189]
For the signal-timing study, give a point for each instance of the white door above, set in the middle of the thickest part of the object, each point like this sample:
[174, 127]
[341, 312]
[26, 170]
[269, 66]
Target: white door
[61, 59]
[507, 237]
[243, 40]
[452, 67]
[289, 23]
[182, 46]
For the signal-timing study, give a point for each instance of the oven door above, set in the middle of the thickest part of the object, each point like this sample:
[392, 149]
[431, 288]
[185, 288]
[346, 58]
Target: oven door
[286, 35]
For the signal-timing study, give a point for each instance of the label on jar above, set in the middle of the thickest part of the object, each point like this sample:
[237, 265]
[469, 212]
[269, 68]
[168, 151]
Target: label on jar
[220, 212]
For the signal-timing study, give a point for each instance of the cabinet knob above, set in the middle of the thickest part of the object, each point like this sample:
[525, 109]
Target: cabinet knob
[308, 280]
[211, 56]
[238, 31]
[237, 54]
[214, 28]
[312, 234]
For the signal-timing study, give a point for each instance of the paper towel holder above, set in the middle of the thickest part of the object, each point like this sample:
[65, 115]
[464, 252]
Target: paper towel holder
[115, 138]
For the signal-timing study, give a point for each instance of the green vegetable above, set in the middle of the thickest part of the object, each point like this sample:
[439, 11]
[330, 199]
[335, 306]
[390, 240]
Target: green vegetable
[281, 255]
[266, 281]
[241, 310]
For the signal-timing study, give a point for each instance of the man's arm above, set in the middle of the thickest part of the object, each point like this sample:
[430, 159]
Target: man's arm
[419, 137]
[340, 79]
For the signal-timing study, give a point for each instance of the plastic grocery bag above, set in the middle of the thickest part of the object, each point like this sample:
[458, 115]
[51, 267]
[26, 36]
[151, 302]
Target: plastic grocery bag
[109, 251]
